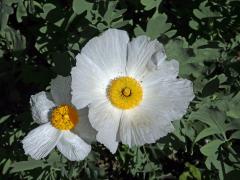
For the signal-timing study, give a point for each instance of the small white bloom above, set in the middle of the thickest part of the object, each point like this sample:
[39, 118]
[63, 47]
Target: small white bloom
[57, 117]
[132, 91]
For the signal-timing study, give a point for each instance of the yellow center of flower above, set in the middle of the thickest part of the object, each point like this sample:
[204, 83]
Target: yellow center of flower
[125, 92]
[64, 117]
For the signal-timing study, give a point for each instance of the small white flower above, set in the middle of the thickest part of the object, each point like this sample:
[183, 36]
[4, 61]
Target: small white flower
[57, 117]
[132, 91]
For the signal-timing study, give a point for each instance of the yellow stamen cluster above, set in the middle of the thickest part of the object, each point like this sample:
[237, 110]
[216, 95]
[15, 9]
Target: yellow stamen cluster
[64, 117]
[125, 92]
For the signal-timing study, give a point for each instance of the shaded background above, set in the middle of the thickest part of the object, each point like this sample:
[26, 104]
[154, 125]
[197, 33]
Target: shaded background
[39, 39]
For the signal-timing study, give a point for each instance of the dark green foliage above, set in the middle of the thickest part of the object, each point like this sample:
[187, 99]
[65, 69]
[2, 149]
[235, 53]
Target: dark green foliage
[40, 39]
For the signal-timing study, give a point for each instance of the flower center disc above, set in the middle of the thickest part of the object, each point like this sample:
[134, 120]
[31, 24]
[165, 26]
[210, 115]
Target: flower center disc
[125, 92]
[64, 117]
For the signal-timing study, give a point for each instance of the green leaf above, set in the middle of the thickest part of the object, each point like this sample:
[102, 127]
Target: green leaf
[171, 33]
[9, 2]
[31, 8]
[6, 166]
[1, 53]
[195, 172]
[26, 165]
[204, 11]
[206, 132]
[110, 11]
[150, 166]
[211, 87]
[5, 11]
[185, 176]
[157, 25]
[206, 54]
[4, 118]
[175, 50]
[216, 161]
[213, 117]
[79, 6]
[211, 148]
[194, 24]
[234, 112]
[138, 31]
[120, 24]
[15, 39]
[46, 9]
[235, 135]
[177, 132]
[150, 4]
[21, 11]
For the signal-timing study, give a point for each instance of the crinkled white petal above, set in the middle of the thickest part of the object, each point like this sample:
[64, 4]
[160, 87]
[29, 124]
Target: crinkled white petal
[143, 125]
[40, 141]
[89, 82]
[108, 51]
[157, 59]
[171, 96]
[180, 94]
[61, 90]
[167, 70]
[105, 119]
[72, 146]
[41, 106]
[140, 52]
[84, 129]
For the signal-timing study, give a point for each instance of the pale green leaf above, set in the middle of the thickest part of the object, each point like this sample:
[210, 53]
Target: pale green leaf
[26, 165]
[79, 6]
[194, 24]
[150, 4]
[5, 12]
[157, 25]
[212, 117]
[138, 31]
[195, 172]
[206, 132]
[21, 11]
[235, 135]
[211, 148]
[4, 118]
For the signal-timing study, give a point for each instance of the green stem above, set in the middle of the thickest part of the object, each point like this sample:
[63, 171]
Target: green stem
[72, 17]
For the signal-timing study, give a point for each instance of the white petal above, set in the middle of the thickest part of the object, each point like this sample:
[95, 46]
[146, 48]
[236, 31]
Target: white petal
[171, 97]
[41, 106]
[40, 141]
[105, 119]
[72, 146]
[143, 125]
[84, 129]
[109, 51]
[89, 82]
[157, 59]
[167, 70]
[180, 94]
[61, 90]
[140, 52]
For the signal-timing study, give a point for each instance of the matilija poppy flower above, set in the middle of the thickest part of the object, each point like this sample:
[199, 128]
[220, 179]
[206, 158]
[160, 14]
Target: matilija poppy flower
[132, 91]
[61, 123]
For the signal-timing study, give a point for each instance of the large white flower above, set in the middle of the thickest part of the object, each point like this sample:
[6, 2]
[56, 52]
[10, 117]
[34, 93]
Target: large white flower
[133, 93]
[57, 117]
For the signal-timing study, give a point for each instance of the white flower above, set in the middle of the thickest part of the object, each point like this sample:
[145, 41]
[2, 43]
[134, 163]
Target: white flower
[133, 93]
[57, 117]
